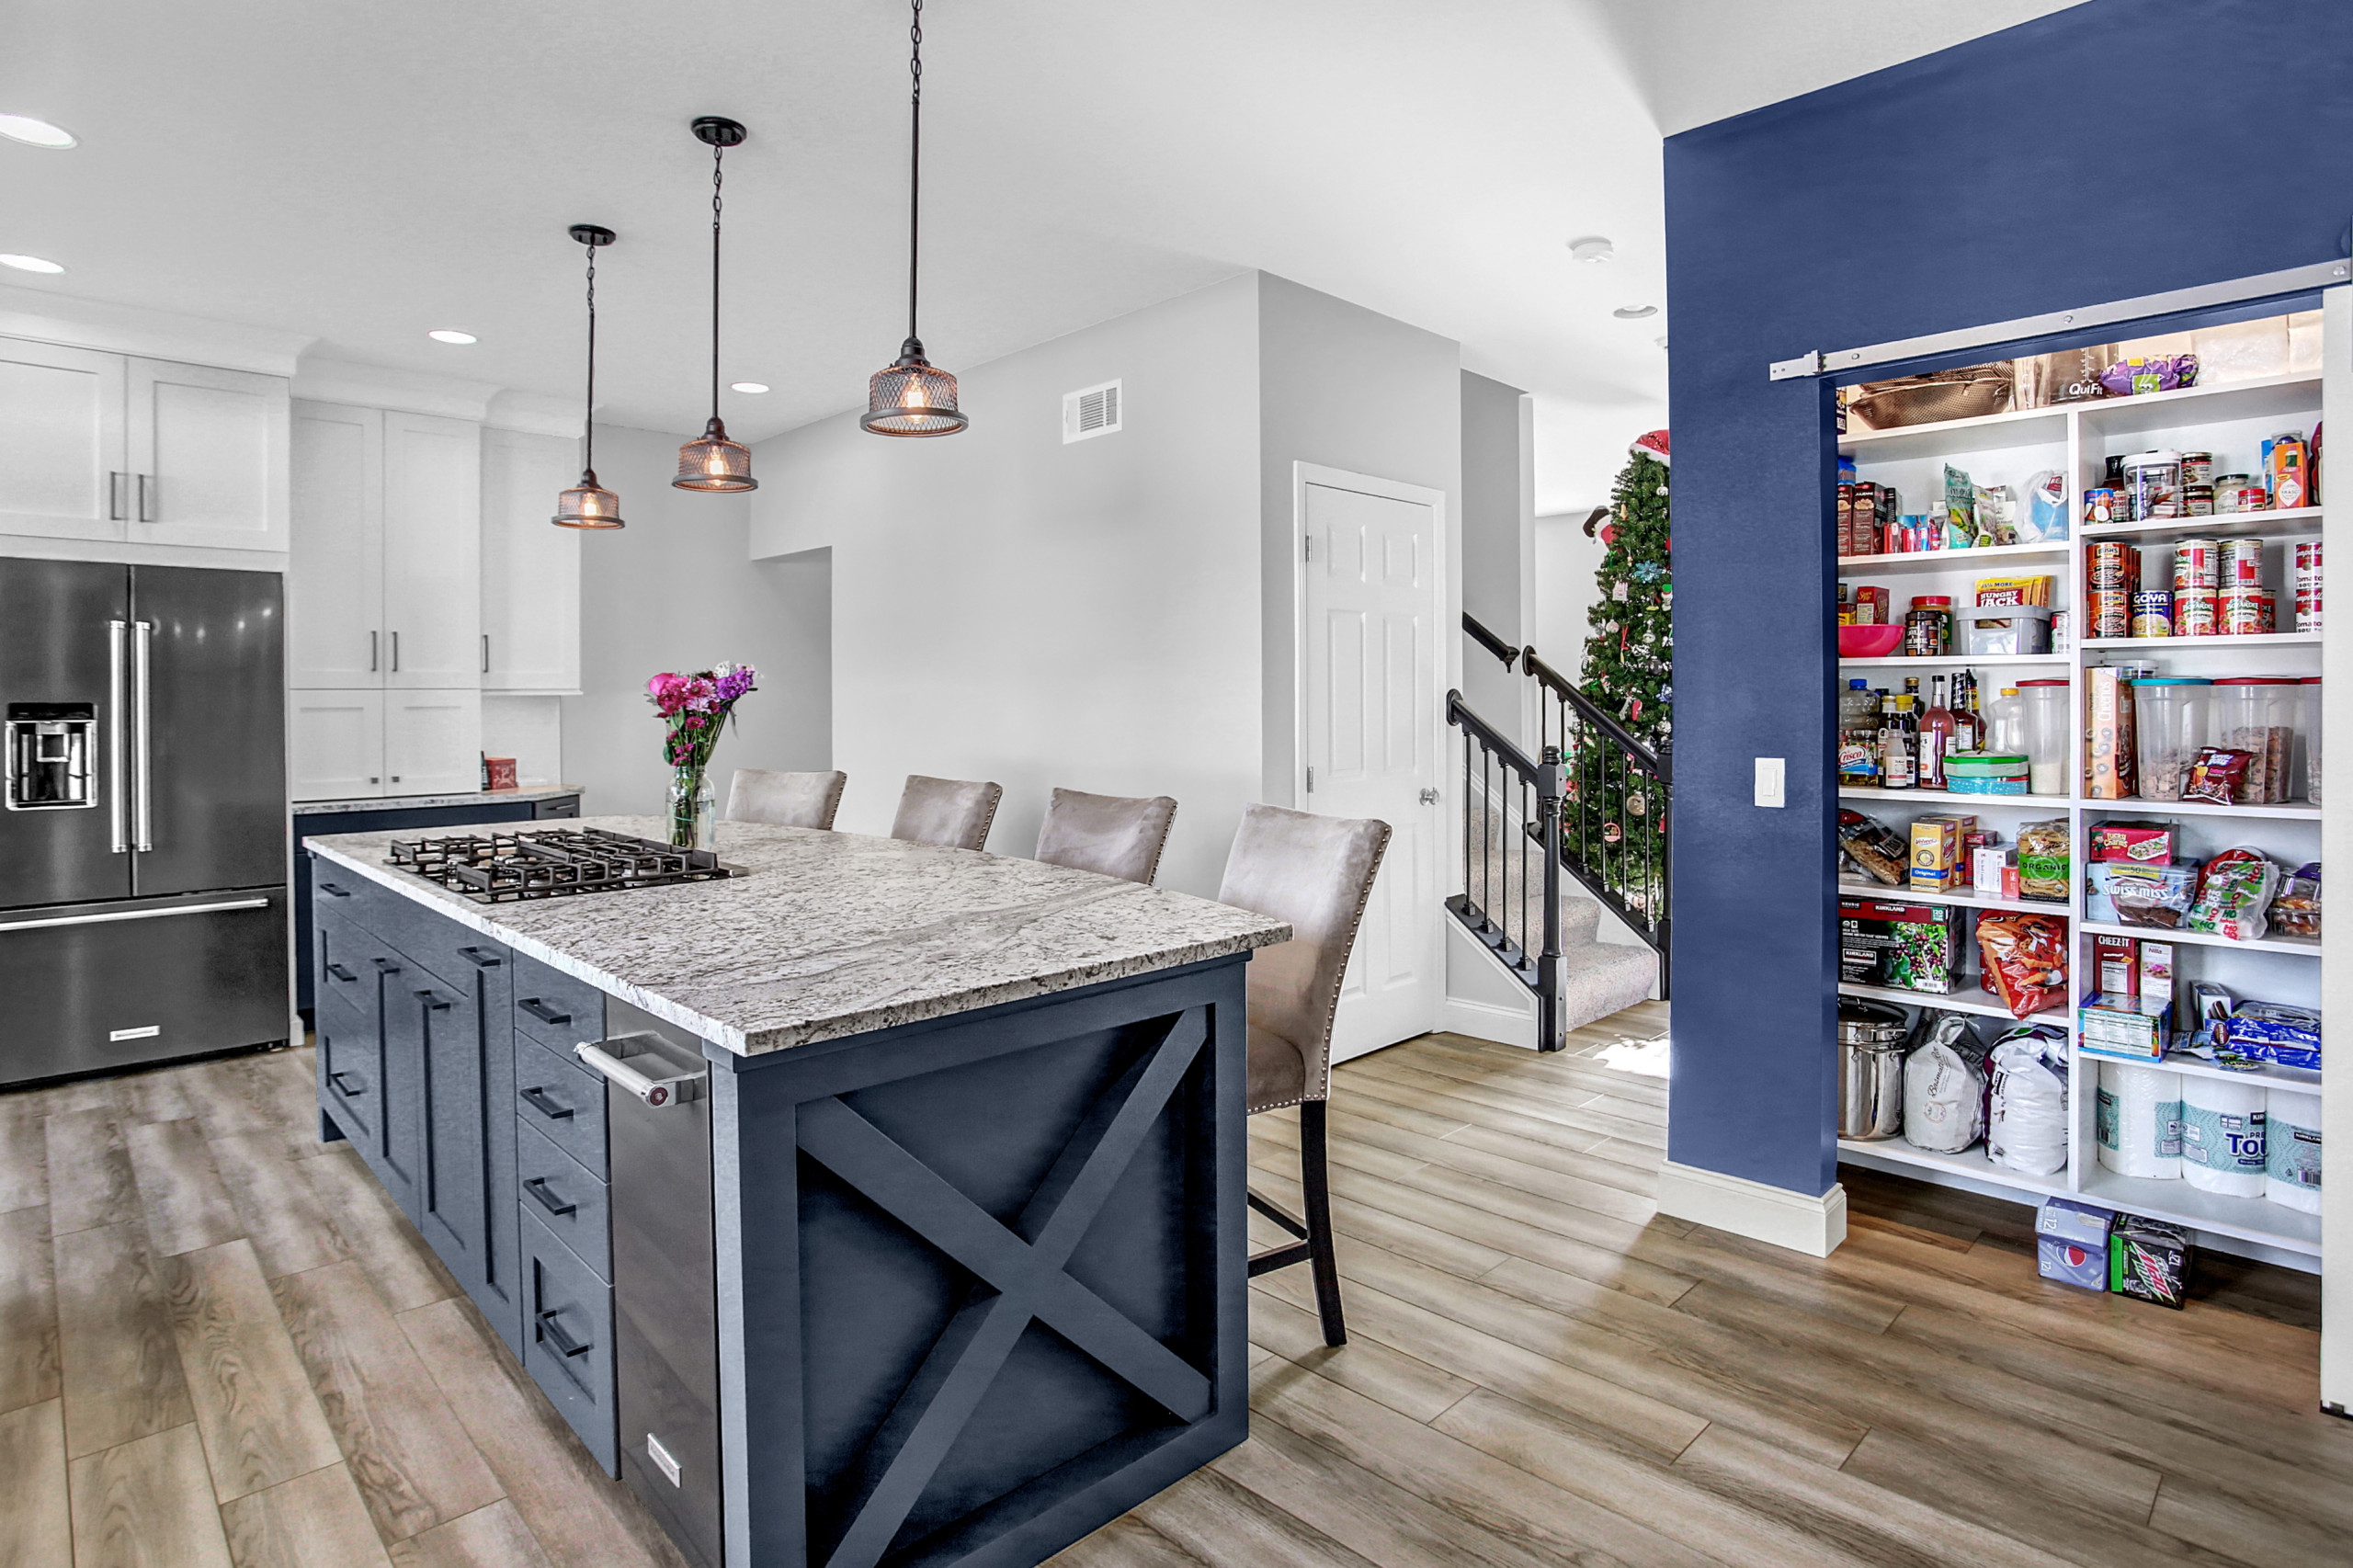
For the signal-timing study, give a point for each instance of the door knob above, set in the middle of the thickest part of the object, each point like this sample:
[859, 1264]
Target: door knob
[1429, 797]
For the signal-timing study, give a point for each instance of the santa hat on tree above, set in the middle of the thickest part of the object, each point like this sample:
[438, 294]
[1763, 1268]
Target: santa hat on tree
[1650, 445]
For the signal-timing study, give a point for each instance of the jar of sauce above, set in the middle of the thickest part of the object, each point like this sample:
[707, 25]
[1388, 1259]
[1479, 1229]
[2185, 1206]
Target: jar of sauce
[1928, 630]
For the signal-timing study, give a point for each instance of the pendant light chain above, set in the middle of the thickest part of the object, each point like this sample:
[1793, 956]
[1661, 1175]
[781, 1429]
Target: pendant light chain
[914, 159]
[718, 162]
[589, 505]
[588, 438]
[910, 396]
[710, 462]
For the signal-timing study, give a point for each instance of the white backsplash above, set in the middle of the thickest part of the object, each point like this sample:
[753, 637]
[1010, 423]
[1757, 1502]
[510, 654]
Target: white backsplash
[530, 730]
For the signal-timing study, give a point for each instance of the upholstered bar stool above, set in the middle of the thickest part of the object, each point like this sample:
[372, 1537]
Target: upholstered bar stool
[954, 813]
[1314, 872]
[784, 799]
[1119, 835]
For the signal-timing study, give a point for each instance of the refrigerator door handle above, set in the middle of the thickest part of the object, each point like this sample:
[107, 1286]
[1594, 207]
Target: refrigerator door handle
[112, 915]
[143, 824]
[117, 766]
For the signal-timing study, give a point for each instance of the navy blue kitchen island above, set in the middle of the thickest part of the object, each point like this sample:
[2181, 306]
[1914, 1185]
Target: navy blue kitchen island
[879, 1204]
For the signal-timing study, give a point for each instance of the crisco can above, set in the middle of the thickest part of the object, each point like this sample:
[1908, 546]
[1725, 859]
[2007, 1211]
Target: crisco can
[2197, 613]
[2308, 585]
[2246, 612]
[2241, 563]
[2153, 613]
[2110, 612]
[2196, 566]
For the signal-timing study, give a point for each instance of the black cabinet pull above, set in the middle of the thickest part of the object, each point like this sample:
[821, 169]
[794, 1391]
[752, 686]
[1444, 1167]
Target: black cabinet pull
[477, 958]
[385, 966]
[538, 1187]
[542, 1012]
[333, 892]
[434, 1001]
[342, 1088]
[553, 1332]
[337, 972]
[544, 1105]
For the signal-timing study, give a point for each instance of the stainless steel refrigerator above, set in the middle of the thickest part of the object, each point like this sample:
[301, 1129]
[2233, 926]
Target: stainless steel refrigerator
[143, 846]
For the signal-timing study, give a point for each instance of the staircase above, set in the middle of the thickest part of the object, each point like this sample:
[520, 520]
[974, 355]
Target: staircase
[1528, 831]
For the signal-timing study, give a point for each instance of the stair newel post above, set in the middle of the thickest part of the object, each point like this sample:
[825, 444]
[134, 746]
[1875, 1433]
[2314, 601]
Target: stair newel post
[1548, 1035]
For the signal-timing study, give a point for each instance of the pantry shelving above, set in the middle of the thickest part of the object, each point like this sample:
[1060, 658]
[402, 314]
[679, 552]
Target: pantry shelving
[2229, 418]
[2190, 1066]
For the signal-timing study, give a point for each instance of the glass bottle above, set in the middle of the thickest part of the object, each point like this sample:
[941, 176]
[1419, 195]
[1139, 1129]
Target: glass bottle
[1970, 717]
[1936, 728]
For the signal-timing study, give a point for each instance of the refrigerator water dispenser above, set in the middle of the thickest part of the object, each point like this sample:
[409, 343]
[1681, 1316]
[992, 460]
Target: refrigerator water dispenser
[49, 750]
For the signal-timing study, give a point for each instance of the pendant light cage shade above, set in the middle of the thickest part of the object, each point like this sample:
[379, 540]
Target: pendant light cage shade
[587, 504]
[712, 461]
[912, 398]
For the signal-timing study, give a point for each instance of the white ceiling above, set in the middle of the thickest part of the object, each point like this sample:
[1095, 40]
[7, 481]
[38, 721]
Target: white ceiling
[363, 174]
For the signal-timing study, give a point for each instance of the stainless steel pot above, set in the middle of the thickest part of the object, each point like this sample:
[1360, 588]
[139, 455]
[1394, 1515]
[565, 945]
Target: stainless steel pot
[1871, 1036]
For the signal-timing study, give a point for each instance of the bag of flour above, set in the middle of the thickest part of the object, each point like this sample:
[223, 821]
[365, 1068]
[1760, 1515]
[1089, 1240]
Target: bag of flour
[2028, 1129]
[1944, 1088]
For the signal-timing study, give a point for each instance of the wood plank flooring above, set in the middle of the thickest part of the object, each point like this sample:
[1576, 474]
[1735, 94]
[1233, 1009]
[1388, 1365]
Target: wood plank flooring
[220, 1345]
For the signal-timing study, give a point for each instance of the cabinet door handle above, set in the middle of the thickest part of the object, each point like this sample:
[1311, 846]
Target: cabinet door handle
[485, 653]
[385, 966]
[373, 638]
[434, 1001]
[334, 890]
[540, 1102]
[148, 490]
[337, 972]
[338, 1080]
[396, 653]
[538, 1187]
[542, 1012]
[479, 959]
[553, 1334]
[115, 513]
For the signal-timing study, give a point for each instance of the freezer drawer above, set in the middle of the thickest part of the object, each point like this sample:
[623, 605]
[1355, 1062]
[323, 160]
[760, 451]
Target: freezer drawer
[94, 987]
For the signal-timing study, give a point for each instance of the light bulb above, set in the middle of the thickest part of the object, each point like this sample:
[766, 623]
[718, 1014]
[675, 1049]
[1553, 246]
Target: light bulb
[716, 463]
[913, 396]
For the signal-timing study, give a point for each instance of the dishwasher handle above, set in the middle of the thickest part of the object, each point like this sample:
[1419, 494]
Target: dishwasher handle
[606, 1058]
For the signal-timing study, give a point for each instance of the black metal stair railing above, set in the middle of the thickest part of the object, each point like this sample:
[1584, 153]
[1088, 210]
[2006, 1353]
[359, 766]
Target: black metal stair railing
[1501, 786]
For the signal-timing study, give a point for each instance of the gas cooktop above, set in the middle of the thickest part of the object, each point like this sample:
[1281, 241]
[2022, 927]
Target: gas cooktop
[505, 867]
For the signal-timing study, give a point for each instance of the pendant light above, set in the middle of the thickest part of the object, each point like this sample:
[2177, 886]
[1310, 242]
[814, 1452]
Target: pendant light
[712, 461]
[589, 505]
[909, 397]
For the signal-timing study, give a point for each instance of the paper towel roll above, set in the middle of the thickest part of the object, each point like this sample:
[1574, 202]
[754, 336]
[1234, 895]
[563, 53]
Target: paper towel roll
[2291, 1149]
[2140, 1120]
[2222, 1136]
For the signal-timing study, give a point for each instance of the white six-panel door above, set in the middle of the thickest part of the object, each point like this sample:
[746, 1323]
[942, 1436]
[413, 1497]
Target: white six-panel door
[1370, 606]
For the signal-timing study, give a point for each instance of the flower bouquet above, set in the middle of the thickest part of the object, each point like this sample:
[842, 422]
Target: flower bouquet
[695, 707]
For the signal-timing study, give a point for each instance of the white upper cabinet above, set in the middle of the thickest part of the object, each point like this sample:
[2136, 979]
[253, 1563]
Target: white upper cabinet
[62, 471]
[338, 750]
[530, 569]
[207, 454]
[335, 570]
[432, 532]
[98, 445]
[432, 743]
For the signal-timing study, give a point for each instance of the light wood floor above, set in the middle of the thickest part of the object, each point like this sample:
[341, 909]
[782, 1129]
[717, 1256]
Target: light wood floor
[219, 1344]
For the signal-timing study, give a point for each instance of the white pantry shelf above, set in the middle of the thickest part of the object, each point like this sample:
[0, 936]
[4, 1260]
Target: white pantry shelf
[2307, 947]
[1964, 997]
[1863, 887]
[1951, 559]
[1873, 792]
[1970, 1165]
[2246, 1218]
[2290, 810]
[2198, 1067]
[2297, 522]
[2249, 640]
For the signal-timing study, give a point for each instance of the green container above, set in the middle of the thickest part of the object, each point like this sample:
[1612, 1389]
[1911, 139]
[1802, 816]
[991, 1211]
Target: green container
[1985, 765]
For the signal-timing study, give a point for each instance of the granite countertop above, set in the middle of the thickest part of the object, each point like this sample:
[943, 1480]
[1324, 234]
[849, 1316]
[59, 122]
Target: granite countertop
[431, 802]
[832, 934]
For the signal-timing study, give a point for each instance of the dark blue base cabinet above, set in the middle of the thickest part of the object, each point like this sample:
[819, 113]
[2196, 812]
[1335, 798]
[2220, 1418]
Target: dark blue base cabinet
[958, 1292]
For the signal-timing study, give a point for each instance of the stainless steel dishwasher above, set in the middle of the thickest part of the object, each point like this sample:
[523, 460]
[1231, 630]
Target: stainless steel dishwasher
[665, 1331]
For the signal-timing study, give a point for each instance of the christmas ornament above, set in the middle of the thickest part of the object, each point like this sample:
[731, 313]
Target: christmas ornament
[1611, 832]
[1639, 804]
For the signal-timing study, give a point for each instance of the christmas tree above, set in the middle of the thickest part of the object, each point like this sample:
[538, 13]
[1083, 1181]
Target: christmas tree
[1628, 668]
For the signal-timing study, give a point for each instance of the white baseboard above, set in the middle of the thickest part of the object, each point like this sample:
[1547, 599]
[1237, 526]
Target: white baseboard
[1753, 1209]
[1504, 1026]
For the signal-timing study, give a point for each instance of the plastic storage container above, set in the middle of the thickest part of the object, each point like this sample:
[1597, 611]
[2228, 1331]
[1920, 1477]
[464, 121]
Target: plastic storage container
[2006, 721]
[2006, 629]
[1987, 773]
[2310, 723]
[2050, 722]
[2153, 486]
[2256, 714]
[2170, 719]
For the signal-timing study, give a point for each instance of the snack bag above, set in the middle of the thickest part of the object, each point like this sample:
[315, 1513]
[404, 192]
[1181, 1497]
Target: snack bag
[1875, 846]
[2233, 893]
[2024, 960]
[2046, 852]
[2150, 895]
[2296, 912]
[2219, 775]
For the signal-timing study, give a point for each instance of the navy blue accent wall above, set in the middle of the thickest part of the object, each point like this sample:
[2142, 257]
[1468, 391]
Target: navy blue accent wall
[2115, 148]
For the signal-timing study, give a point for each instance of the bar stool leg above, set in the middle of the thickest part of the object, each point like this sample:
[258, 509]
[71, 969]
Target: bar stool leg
[1315, 1178]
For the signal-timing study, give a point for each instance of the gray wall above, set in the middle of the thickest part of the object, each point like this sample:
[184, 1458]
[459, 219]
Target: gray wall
[1012, 607]
[1499, 541]
[1343, 387]
[672, 591]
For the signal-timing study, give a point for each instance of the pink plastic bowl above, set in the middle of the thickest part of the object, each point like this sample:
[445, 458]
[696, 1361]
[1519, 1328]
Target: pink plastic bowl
[1867, 641]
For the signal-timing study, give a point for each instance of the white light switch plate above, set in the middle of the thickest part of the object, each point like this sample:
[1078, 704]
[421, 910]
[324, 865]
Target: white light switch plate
[1770, 772]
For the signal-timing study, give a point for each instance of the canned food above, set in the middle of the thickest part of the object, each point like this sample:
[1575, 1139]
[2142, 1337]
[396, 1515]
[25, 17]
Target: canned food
[2153, 613]
[2198, 468]
[2109, 612]
[2236, 494]
[2197, 500]
[2241, 563]
[2247, 612]
[2308, 585]
[2196, 565]
[2103, 505]
[2111, 563]
[2197, 613]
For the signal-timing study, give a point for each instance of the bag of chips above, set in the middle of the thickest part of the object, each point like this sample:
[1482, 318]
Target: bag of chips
[2233, 893]
[2296, 912]
[2024, 960]
[2218, 775]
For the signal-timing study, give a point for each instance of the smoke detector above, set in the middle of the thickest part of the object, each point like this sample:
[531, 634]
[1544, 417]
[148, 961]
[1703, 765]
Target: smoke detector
[1090, 410]
[1591, 247]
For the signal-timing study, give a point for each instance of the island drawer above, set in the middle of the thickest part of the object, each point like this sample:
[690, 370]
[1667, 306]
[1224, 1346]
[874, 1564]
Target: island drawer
[562, 1101]
[559, 1193]
[350, 1071]
[555, 1010]
[346, 973]
[568, 1339]
[340, 890]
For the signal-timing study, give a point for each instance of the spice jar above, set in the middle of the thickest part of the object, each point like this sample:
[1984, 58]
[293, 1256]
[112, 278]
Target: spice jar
[2169, 715]
[1928, 630]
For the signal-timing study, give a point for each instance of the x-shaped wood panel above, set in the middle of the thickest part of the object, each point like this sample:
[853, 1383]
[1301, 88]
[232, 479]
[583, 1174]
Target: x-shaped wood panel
[1024, 1271]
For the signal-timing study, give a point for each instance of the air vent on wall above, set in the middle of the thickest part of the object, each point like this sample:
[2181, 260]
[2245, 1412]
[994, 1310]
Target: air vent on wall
[1090, 410]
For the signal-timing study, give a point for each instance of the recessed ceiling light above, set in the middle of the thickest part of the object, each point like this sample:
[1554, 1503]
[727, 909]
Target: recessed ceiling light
[1592, 247]
[29, 264]
[445, 336]
[34, 132]
[1634, 312]
[747, 386]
